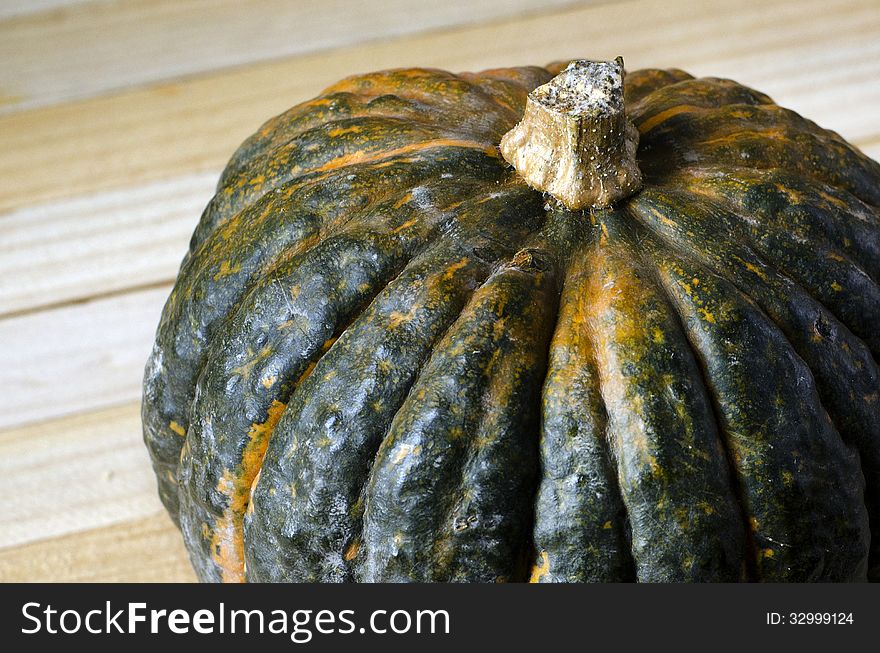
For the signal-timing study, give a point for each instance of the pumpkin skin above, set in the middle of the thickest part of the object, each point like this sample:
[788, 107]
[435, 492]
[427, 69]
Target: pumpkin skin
[386, 358]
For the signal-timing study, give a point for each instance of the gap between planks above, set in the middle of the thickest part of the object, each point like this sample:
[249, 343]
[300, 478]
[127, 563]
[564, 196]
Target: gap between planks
[76, 358]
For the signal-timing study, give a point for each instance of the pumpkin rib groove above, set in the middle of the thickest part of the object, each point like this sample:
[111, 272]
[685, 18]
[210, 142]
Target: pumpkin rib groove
[354, 540]
[415, 260]
[467, 469]
[213, 218]
[490, 251]
[308, 115]
[815, 155]
[750, 557]
[384, 437]
[741, 253]
[638, 84]
[414, 112]
[852, 228]
[661, 113]
[431, 112]
[794, 316]
[299, 276]
[436, 88]
[341, 140]
[354, 121]
[233, 530]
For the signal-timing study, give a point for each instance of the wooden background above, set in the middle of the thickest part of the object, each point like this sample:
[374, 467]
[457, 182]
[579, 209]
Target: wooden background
[115, 120]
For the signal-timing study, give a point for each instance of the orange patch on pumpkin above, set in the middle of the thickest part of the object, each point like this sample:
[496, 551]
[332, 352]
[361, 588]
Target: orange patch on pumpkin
[227, 542]
[541, 570]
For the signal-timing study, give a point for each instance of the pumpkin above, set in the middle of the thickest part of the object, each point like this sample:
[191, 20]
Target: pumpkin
[644, 349]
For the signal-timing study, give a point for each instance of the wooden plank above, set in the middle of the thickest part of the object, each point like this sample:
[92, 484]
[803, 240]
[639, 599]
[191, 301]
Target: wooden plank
[819, 52]
[97, 244]
[142, 551]
[74, 474]
[76, 358]
[99, 47]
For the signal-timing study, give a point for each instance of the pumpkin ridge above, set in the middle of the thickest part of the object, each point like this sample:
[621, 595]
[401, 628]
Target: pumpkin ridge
[440, 337]
[359, 132]
[364, 496]
[397, 534]
[253, 155]
[841, 414]
[581, 529]
[258, 163]
[477, 250]
[821, 212]
[663, 435]
[354, 104]
[740, 253]
[800, 322]
[759, 458]
[790, 261]
[300, 273]
[808, 151]
[489, 203]
[229, 562]
[638, 84]
[750, 558]
[522, 258]
[291, 124]
[355, 538]
[220, 209]
[698, 95]
[432, 87]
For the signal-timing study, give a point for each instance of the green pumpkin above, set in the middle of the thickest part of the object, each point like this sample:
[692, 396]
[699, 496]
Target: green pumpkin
[388, 358]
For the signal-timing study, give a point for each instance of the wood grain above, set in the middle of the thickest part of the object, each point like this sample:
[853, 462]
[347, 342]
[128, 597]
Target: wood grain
[142, 551]
[86, 246]
[100, 47]
[75, 474]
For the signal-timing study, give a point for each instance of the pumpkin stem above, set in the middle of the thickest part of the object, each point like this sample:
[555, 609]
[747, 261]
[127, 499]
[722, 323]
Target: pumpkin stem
[574, 141]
